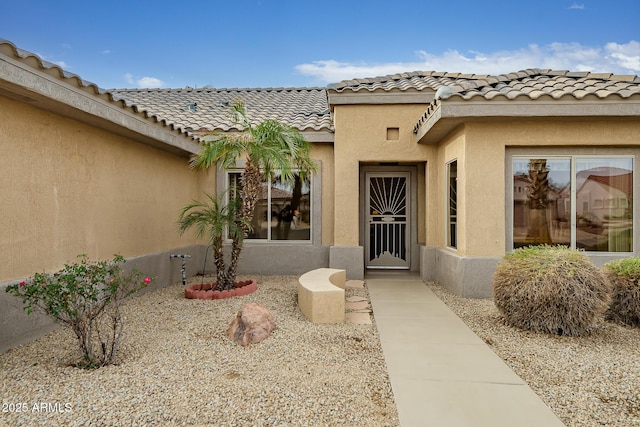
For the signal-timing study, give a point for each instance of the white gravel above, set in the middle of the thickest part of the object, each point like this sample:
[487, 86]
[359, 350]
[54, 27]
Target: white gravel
[587, 381]
[178, 368]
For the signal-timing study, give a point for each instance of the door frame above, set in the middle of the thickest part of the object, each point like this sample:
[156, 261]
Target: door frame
[412, 244]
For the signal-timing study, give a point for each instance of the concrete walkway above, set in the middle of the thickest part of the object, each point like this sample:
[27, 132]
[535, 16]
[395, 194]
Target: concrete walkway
[442, 374]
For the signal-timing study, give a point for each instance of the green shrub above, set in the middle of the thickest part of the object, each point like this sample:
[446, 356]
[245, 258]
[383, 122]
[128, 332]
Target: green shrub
[624, 276]
[550, 289]
[84, 296]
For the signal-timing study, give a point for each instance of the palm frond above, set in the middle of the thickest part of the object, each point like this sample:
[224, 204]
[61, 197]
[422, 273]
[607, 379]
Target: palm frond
[211, 217]
[239, 114]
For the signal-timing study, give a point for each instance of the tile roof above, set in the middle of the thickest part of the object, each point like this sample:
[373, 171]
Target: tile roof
[203, 110]
[307, 109]
[47, 99]
[530, 83]
[416, 80]
[533, 85]
[52, 69]
[208, 109]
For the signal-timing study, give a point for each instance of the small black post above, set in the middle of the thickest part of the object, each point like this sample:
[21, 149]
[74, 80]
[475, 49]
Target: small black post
[184, 266]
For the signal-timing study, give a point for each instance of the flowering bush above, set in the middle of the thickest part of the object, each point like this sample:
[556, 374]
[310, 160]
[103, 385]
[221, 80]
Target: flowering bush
[86, 297]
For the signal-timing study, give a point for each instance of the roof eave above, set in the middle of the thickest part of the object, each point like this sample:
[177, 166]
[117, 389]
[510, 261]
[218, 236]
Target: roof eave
[70, 97]
[378, 97]
[318, 136]
[443, 117]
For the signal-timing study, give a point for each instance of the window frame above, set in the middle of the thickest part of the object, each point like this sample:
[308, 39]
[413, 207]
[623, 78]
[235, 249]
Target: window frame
[448, 215]
[223, 177]
[602, 152]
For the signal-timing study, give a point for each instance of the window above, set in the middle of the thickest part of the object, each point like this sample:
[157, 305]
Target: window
[283, 210]
[580, 201]
[452, 223]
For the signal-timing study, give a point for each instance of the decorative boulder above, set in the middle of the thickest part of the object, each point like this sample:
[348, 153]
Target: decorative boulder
[252, 324]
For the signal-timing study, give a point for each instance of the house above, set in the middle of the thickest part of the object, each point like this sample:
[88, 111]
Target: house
[432, 172]
[82, 173]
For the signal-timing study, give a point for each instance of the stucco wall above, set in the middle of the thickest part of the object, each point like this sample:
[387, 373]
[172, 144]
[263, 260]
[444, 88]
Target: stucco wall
[68, 188]
[451, 149]
[481, 175]
[361, 137]
[323, 152]
[481, 151]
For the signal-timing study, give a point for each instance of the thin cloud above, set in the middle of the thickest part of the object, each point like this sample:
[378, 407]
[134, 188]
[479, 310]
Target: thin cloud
[613, 58]
[144, 82]
[150, 82]
[62, 65]
[577, 6]
[106, 52]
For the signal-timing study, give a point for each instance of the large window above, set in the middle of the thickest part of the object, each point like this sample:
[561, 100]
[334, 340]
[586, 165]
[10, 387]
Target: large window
[283, 210]
[580, 201]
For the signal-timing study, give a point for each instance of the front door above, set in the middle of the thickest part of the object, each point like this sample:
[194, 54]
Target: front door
[387, 220]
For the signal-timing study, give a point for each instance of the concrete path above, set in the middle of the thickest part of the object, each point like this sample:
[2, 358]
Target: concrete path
[442, 374]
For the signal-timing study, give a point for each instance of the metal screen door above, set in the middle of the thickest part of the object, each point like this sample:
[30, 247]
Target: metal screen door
[387, 219]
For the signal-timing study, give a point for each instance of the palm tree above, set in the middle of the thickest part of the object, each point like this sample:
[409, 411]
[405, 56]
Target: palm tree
[213, 217]
[268, 148]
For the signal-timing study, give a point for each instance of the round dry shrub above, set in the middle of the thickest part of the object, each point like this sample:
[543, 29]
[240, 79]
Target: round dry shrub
[550, 289]
[624, 276]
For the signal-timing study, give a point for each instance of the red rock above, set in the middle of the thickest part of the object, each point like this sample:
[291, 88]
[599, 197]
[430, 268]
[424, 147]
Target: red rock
[252, 324]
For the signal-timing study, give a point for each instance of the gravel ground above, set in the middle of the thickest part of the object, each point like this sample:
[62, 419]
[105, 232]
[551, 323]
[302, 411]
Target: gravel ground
[178, 368]
[587, 381]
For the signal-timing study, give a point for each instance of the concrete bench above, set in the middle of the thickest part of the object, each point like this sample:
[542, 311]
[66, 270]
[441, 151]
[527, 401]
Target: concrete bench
[321, 295]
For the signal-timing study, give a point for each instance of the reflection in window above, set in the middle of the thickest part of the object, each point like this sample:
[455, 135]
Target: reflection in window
[283, 210]
[602, 211]
[603, 194]
[541, 204]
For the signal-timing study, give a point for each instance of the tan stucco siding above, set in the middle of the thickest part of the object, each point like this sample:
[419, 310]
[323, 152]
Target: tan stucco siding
[422, 193]
[453, 148]
[361, 137]
[324, 153]
[481, 174]
[484, 195]
[68, 189]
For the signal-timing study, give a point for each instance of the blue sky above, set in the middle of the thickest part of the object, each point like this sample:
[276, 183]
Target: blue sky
[302, 43]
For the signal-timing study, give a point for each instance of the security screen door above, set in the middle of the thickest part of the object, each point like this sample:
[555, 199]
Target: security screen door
[387, 220]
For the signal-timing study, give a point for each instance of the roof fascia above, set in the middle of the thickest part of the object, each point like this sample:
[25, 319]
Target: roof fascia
[41, 90]
[317, 136]
[445, 116]
[364, 97]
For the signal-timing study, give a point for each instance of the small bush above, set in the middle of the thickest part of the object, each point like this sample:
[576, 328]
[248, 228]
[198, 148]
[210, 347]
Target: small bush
[84, 296]
[624, 276]
[550, 289]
